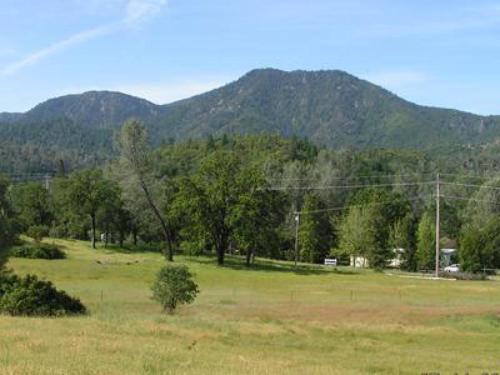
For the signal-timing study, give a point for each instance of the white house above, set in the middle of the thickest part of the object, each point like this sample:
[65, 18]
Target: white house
[358, 261]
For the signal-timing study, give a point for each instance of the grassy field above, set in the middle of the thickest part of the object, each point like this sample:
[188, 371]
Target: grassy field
[267, 320]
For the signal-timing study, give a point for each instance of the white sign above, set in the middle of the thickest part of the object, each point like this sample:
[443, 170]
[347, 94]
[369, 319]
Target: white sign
[330, 262]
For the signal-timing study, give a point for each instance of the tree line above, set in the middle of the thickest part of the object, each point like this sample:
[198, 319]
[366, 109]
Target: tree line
[240, 195]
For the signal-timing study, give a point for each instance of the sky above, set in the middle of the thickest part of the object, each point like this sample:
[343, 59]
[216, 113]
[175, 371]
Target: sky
[442, 53]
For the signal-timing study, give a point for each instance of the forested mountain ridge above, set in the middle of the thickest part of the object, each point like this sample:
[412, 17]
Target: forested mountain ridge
[10, 117]
[92, 109]
[331, 108]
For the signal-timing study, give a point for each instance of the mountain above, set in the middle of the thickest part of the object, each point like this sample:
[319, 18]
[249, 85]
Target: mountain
[93, 109]
[332, 108]
[6, 117]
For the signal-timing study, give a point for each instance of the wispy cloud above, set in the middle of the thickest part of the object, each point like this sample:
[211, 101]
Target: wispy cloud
[141, 10]
[36, 56]
[136, 12]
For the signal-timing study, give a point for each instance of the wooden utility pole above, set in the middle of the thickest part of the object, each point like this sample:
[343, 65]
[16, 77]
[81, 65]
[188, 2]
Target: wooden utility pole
[437, 225]
[297, 223]
[47, 182]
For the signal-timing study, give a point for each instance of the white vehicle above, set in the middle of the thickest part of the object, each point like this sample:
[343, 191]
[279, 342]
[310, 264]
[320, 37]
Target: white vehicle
[452, 268]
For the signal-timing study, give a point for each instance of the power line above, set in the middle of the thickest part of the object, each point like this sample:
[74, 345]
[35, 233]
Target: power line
[469, 176]
[471, 185]
[358, 186]
[352, 177]
[470, 199]
[28, 174]
[340, 208]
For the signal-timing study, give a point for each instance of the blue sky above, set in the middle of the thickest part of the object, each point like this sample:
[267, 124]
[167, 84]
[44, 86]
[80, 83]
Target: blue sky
[440, 53]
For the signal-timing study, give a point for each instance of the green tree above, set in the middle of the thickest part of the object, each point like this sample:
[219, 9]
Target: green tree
[211, 198]
[471, 249]
[8, 224]
[135, 161]
[357, 232]
[33, 205]
[383, 209]
[315, 234]
[88, 193]
[403, 236]
[426, 242]
[480, 247]
[38, 232]
[483, 207]
[257, 216]
[174, 285]
[68, 222]
[122, 223]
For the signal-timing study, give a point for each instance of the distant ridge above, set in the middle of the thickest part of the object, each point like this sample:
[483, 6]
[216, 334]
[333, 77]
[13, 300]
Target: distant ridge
[331, 108]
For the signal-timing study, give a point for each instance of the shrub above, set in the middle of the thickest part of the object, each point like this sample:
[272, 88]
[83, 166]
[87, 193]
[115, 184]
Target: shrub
[29, 296]
[39, 251]
[7, 280]
[173, 286]
[38, 232]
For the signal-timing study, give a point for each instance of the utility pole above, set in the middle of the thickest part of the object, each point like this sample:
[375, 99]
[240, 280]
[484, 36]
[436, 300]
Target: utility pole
[47, 182]
[297, 223]
[437, 225]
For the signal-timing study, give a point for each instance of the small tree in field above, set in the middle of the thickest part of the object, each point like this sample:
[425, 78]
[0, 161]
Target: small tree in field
[173, 286]
[38, 232]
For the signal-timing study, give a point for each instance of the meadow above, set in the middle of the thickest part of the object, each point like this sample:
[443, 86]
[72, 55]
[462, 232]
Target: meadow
[270, 319]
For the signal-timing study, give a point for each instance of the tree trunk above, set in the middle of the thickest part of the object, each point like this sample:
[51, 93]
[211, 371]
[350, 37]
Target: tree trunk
[93, 230]
[221, 247]
[134, 236]
[170, 249]
[168, 240]
[220, 256]
[248, 257]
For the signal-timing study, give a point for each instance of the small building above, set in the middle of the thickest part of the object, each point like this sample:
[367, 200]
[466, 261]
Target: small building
[358, 261]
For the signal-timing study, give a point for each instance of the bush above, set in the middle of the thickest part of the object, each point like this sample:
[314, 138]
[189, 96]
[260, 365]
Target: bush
[29, 296]
[39, 251]
[173, 286]
[38, 232]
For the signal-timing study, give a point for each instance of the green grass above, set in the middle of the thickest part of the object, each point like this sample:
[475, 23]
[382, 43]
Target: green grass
[266, 320]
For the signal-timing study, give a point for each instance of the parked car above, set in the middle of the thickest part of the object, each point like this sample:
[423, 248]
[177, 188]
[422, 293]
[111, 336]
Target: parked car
[452, 268]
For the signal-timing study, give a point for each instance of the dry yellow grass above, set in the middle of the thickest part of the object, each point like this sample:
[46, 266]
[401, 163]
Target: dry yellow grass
[269, 320]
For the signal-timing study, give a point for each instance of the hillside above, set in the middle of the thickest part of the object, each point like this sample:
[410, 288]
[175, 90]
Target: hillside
[332, 108]
[93, 109]
[6, 117]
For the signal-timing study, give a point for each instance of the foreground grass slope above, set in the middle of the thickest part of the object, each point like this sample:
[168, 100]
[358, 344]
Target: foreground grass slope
[268, 320]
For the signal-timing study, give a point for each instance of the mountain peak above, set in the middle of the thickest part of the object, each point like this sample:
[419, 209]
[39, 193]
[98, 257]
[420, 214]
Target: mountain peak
[331, 107]
[303, 74]
[94, 109]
